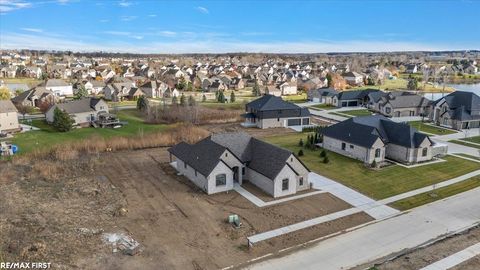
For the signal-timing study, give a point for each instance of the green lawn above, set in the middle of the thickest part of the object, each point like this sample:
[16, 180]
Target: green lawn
[323, 106]
[378, 184]
[465, 143]
[48, 137]
[296, 98]
[341, 114]
[475, 139]
[438, 194]
[401, 84]
[467, 156]
[420, 126]
[361, 112]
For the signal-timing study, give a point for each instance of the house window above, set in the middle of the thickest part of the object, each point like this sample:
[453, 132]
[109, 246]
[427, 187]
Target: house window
[278, 119]
[243, 171]
[378, 152]
[285, 184]
[351, 146]
[221, 180]
[300, 181]
[344, 146]
[226, 154]
[424, 152]
[388, 110]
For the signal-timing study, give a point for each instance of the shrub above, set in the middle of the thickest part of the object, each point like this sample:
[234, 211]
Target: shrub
[323, 153]
[374, 164]
[300, 152]
[232, 97]
[326, 160]
[300, 143]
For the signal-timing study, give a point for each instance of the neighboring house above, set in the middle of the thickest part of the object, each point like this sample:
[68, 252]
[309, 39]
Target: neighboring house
[322, 95]
[34, 97]
[458, 110]
[237, 83]
[353, 98]
[59, 87]
[412, 68]
[82, 111]
[94, 87]
[353, 78]
[398, 104]
[150, 89]
[377, 138]
[8, 117]
[288, 88]
[270, 111]
[217, 163]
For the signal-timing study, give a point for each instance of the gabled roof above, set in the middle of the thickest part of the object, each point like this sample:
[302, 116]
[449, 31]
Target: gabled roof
[78, 106]
[270, 102]
[365, 131]
[356, 94]
[6, 106]
[262, 157]
[463, 105]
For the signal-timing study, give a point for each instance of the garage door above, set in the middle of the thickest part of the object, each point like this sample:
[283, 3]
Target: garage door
[352, 103]
[294, 122]
[316, 99]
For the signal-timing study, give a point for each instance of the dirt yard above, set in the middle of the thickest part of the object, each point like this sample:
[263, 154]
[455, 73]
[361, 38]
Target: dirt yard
[256, 132]
[422, 257]
[62, 220]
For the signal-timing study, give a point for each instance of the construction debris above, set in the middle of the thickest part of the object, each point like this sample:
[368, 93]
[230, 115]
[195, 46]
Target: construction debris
[124, 243]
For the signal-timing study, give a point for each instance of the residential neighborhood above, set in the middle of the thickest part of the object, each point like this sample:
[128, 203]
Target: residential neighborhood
[333, 135]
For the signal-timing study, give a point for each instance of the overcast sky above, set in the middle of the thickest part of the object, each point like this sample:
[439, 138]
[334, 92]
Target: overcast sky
[147, 26]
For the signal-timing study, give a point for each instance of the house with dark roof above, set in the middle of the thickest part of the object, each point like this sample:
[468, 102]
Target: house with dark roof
[377, 138]
[458, 110]
[83, 111]
[217, 163]
[35, 97]
[399, 104]
[353, 98]
[270, 111]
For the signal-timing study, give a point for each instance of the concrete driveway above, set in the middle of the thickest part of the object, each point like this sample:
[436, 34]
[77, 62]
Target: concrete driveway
[419, 226]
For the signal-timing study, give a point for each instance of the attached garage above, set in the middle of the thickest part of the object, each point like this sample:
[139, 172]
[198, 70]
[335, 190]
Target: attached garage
[294, 122]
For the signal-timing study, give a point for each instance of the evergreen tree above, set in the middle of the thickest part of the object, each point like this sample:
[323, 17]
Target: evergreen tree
[62, 121]
[266, 90]
[221, 97]
[232, 97]
[329, 80]
[204, 98]
[300, 143]
[326, 160]
[183, 100]
[142, 103]
[323, 153]
[300, 152]
[256, 89]
[81, 93]
[191, 101]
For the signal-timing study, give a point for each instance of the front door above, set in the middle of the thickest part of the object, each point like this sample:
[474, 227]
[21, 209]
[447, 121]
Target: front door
[235, 174]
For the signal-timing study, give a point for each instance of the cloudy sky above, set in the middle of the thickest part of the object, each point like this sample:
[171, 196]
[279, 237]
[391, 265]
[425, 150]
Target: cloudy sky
[148, 26]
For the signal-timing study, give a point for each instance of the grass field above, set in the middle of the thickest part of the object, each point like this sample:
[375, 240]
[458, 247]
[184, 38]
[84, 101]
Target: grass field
[436, 195]
[475, 139]
[378, 184]
[401, 84]
[323, 106]
[296, 98]
[29, 81]
[361, 112]
[465, 143]
[422, 127]
[48, 137]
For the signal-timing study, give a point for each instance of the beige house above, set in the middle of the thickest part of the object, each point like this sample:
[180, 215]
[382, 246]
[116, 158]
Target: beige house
[220, 161]
[377, 138]
[458, 110]
[8, 117]
[82, 111]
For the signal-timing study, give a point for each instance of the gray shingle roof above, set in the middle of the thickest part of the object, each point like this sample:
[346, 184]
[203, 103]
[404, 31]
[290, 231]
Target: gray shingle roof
[6, 106]
[270, 102]
[463, 105]
[78, 106]
[364, 131]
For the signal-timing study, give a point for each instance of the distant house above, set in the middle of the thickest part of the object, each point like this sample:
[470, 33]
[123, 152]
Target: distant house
[353, 78]
[94, 87]
[237, 83]
[398, 104]
[377, 138]
[322, 95]
[288, 88]
[270, 112]
[217, 85]
[82, 111]
[59, 87]
[150, 89]
[458, 110]
[220, 161]
[411, 68]
[35, 96]
[353, 98]
[8, 117]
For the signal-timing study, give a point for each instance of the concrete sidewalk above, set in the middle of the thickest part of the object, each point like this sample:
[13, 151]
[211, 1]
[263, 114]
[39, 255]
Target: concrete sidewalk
[455, 259]
[364, 245]
[368, 205]
[454, 148]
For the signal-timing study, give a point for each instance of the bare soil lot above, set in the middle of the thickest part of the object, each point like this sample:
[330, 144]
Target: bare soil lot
[422, 257]
[255, 132]
[61, 220]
